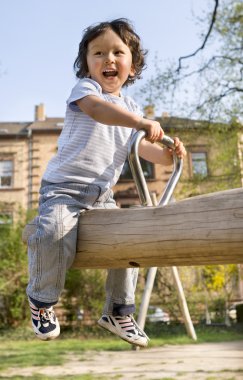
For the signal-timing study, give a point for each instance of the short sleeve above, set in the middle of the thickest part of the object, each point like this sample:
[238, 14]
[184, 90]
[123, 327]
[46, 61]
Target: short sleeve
[83, 88]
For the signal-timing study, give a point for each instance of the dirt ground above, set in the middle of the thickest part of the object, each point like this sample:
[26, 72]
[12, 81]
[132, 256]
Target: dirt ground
[208, 361]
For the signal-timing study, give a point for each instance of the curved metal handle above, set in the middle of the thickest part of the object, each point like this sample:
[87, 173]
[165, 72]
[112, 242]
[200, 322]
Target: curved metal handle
[138, 175]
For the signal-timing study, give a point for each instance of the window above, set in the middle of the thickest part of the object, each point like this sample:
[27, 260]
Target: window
[199, 164]
[6, 218]
[148, 170]
[6, 173]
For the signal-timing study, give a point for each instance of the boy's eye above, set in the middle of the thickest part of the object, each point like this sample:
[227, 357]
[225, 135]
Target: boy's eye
[119, 52]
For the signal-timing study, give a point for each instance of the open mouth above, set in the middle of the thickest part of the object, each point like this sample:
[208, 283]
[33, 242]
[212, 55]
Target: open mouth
[110, 73]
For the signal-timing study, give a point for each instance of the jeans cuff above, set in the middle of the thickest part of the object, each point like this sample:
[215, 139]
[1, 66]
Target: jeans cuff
[41, 304]
[122, 310]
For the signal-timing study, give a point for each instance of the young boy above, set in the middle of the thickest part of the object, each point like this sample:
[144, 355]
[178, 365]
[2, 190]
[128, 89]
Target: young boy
[92, 149]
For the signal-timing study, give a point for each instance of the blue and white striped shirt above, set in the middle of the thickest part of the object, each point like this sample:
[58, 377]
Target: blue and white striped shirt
[88, 151]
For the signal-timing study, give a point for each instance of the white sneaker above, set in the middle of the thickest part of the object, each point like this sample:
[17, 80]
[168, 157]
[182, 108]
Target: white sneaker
[44, 322]
[126, 328]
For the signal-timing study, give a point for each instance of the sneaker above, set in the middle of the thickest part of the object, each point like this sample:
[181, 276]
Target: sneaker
[44, 322]
[126, 328]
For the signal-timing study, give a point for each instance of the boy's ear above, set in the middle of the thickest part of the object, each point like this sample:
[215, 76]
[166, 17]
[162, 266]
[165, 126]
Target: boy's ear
[132, 71]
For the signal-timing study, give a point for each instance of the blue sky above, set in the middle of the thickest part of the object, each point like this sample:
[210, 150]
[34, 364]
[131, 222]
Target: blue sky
[39, 42]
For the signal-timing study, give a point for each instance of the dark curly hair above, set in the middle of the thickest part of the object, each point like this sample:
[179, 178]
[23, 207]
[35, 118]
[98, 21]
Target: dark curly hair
[124, 29]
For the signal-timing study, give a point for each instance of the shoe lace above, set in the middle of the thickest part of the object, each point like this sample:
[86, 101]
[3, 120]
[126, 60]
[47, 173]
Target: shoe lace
[129, 323]
[47, 314]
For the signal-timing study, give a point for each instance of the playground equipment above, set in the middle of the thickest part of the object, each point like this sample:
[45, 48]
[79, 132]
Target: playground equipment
[202, 230]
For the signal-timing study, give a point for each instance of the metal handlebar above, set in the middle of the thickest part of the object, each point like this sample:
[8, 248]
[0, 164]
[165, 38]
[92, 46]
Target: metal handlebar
[138, 175]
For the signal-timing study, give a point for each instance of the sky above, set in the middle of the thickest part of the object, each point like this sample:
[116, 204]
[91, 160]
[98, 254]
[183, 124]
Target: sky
[39, 42]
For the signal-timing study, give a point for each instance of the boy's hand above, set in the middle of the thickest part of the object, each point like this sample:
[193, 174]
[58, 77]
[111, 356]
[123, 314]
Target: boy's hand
[179, 148]
[153, 129]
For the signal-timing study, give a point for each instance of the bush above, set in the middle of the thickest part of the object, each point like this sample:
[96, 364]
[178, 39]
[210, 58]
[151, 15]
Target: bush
[84, 290]
[13, 272]
[239, 313]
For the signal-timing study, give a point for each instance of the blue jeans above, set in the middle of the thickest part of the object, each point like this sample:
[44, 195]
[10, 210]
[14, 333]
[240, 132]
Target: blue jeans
[52, 248]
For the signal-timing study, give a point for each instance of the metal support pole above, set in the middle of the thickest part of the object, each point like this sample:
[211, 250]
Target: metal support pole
[147, 201]
[146, 297]
[183, 305]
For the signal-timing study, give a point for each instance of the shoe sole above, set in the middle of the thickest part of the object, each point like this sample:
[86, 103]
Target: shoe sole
[46, 338]
[109, 328]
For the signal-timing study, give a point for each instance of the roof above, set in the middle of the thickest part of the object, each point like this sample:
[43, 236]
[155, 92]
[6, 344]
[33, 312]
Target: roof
[50, 123]
[23, 128]
[182, 123]
[13, 128]
[56, 124]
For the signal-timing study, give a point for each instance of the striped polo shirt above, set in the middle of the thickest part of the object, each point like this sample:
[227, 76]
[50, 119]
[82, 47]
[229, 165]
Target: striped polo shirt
[88, 151]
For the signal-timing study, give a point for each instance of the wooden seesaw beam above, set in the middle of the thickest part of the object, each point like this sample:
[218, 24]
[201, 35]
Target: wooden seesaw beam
[203, 230]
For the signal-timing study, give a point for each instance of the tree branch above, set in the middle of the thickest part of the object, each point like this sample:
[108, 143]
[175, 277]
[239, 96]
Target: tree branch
[207, 65]
[216, 98]
[205, 39]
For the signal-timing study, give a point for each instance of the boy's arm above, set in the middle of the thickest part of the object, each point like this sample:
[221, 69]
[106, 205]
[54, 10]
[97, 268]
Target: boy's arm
[158, 155]
[112, 114]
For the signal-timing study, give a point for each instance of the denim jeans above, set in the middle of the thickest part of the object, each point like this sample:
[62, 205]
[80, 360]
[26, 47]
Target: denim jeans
[52, 248]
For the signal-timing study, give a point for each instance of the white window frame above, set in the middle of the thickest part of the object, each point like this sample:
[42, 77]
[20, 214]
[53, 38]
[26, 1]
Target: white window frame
[204, 172]
[6, 171]
[148, 176]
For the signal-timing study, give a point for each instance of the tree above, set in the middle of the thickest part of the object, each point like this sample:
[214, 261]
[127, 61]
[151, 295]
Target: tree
[219, 283]
[13, 272]
[214, 71]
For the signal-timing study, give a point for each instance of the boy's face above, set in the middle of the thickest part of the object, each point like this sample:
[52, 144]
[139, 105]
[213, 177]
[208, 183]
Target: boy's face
[109, 62]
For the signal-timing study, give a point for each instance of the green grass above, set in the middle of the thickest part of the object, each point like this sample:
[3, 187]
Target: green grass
[37, 353]
[176, 334]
